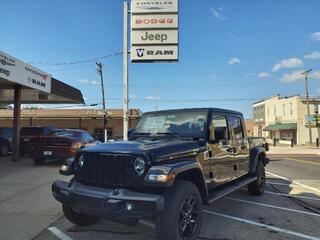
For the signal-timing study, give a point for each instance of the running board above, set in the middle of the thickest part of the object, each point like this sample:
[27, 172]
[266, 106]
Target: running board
[232, 186]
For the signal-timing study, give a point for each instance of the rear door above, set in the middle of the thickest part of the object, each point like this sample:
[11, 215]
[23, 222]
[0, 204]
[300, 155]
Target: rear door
[240, 144]
[221, 161]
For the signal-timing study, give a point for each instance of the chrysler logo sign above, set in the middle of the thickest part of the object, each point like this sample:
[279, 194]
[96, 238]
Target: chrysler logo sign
[155, 5]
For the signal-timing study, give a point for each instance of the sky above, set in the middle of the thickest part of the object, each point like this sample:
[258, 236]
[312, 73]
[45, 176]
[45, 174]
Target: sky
[232, 53]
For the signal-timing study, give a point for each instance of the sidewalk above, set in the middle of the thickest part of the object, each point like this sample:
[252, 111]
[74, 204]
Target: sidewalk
[297, 150]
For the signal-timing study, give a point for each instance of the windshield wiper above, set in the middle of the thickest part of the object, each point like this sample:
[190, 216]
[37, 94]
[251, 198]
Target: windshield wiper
[169, 133]
[141, 133]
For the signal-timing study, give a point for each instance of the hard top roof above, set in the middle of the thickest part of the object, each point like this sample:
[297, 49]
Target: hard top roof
[218, 110]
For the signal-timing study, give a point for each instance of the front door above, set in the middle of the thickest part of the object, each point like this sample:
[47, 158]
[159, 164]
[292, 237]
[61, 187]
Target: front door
[221, 159]
[240, 145]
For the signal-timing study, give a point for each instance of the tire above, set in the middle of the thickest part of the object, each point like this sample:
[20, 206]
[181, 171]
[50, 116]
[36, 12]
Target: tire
[39, 161]
[4, 150]
[80, 219]
[180, 198]
[257, 187]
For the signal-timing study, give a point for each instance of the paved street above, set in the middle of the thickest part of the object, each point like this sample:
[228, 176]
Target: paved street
[290, 208]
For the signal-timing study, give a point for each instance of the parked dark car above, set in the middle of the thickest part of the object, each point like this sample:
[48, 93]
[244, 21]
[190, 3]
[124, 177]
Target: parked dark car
[5, 140]
[60, 144]
[174, 162]
[28, 133]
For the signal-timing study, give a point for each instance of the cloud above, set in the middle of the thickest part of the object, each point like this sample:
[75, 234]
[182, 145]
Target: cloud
[150, 98]
[314, 55]
[292, 77]
[287, 63]
[86, 81]
[133, 96]
[318, 90]
[217, 13]
[264, 75]
[315, 36]
[315, 75]
[234, 61]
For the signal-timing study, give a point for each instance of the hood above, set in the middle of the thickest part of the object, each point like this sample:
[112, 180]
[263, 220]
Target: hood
[159, 149]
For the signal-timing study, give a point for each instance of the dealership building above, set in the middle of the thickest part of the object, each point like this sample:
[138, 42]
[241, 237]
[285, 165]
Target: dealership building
[90, 120]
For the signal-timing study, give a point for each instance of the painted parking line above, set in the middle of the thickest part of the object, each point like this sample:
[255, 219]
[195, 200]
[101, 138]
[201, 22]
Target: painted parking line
[273, 206]
[61, 235]
[295, 182]
[292, 195]
[302, 161]
[284, 231]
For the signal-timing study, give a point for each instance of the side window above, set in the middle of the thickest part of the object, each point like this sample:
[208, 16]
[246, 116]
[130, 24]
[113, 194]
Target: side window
[87, 138]
[219, 128]
[236, 127]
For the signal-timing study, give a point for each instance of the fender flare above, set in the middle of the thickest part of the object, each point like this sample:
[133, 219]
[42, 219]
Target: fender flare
[255, 154]
[180, 169]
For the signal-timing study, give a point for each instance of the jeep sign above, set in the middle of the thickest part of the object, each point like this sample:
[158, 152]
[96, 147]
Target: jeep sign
[154, 37]
[16, 71]
[147, 53]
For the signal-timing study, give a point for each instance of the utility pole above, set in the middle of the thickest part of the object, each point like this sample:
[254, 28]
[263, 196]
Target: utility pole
[125, 72]
[99, 70]
[306, 73]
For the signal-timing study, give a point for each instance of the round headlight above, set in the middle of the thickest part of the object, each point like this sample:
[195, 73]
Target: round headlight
[81, 160]
[139, 166]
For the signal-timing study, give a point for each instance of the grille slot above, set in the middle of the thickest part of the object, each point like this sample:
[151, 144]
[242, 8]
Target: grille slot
[106, 170]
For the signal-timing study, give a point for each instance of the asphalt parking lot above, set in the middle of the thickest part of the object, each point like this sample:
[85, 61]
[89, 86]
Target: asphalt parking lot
[290, 208]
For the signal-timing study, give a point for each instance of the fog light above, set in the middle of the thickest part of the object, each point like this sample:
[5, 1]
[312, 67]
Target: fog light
[129, 206]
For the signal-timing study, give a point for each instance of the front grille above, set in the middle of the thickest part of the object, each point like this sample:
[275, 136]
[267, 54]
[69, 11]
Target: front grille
[107, 170]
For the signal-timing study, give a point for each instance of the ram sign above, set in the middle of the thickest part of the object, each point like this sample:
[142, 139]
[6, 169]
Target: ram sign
[16, 71]
[154, 30]
[147, 53]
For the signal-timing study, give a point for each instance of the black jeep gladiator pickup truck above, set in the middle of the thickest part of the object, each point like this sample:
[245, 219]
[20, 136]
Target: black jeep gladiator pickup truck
[174, 162]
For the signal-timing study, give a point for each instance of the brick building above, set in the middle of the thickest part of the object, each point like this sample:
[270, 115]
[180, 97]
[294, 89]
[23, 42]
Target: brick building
[90, 120]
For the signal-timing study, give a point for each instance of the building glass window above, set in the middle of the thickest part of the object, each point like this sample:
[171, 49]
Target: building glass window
[275, 110]
[284, 109]
[291, 109]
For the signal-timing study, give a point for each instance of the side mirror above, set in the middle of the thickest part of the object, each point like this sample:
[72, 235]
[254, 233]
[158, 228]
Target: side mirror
[131, 130]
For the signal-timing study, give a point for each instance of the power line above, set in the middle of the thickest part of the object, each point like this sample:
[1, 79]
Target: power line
[188, 86]
[118, 53]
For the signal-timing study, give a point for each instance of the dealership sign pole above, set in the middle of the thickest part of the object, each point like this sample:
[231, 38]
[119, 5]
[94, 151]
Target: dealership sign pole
[125, 72]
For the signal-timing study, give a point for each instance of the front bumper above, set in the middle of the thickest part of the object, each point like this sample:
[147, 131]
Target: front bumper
[107, 203]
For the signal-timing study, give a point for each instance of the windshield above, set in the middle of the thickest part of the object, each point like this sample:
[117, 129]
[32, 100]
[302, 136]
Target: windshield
[188, 124]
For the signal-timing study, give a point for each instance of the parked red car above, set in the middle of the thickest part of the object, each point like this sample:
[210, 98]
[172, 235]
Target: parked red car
[60, 144]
